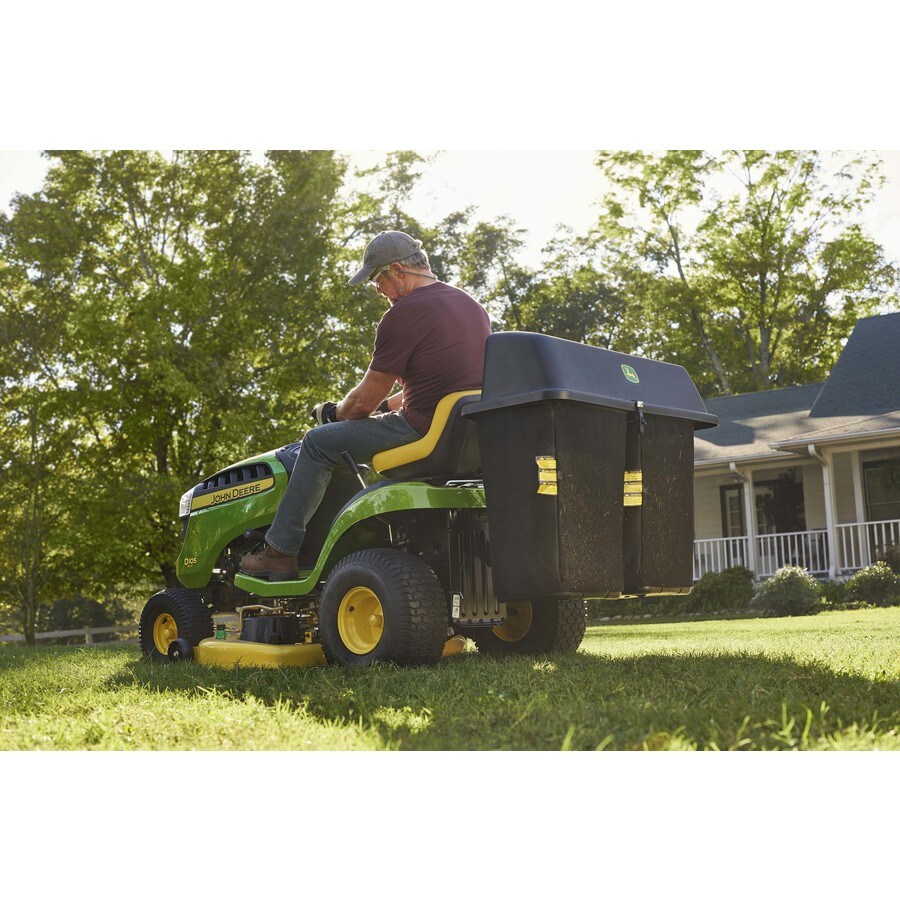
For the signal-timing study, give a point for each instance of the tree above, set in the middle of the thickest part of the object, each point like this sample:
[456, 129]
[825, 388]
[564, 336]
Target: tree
[197, 308]
[751, 264]
[164, 315]
[571, 299]
[35, 463]
[489, 271]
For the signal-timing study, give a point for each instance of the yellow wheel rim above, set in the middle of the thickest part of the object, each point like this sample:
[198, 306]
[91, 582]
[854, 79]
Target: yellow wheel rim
[517, 624]
[360, 620]
[164, 632]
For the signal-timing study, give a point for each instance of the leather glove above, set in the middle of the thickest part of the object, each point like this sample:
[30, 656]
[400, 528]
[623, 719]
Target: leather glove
[323, 413]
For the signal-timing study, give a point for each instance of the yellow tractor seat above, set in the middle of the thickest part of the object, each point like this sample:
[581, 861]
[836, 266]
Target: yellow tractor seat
[448, 450]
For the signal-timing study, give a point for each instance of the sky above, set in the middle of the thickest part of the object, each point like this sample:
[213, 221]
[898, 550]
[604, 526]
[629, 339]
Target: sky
[538, 189]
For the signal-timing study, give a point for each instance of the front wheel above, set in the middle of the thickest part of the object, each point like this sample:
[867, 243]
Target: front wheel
[534, 627]
[171, 615]
[382, 605]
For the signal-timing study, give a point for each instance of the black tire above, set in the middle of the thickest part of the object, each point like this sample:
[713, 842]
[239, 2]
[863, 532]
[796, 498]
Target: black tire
[180, 650]
[536, 628]
[170, 614]
[383, 605]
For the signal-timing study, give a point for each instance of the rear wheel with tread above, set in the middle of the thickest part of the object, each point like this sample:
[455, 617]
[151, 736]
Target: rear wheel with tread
[534, 627]
[382, 605]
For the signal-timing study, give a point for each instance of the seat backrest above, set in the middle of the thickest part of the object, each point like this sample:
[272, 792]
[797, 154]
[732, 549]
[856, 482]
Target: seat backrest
[449, 449]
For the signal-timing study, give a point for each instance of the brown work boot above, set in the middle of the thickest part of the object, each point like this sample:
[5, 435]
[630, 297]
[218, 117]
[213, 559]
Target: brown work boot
[271, 564]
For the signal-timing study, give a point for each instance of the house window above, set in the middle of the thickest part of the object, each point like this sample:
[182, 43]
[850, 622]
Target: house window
[764, 492]
[732, 497]
[882, 480]
[779, 506]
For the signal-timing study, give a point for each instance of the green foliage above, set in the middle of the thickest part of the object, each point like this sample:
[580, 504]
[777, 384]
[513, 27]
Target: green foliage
[489, 271]
[192, 302]
[726, 591]
[834, 593]
[791, 591]
[754, 265]
[891, 558]
[877, 584]
[718, 591]
[570, 298]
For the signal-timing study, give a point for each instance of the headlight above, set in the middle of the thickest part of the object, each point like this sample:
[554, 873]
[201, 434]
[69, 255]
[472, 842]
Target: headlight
[184, 506]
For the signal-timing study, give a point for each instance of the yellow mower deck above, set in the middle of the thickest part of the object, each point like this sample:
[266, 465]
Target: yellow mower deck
[228, 654]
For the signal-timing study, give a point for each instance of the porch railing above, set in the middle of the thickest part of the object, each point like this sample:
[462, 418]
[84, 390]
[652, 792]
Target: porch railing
[858, 545]
[807, 549]
[718, 554]
[861, 543]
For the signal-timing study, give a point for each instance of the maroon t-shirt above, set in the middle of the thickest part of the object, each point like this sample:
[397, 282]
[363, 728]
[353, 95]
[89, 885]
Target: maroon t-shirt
[432, 342]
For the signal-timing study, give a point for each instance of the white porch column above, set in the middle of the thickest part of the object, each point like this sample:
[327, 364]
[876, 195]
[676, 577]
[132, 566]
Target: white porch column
[862, 533]
[749, 514]
[830, 507]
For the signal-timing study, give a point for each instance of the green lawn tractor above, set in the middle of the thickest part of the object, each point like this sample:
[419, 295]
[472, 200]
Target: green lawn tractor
[569, 476]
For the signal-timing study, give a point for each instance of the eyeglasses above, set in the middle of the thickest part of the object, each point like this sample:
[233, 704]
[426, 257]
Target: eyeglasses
[378, 274]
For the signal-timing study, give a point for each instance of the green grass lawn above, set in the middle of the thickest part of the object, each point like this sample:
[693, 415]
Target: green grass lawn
[830, 681]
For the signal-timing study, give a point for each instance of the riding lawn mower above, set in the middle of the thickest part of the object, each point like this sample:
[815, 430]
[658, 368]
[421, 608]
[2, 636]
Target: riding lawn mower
[569, 476]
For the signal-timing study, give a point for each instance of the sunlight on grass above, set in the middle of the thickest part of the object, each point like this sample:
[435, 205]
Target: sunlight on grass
[817, 683]
[544, 665]
[402, 719]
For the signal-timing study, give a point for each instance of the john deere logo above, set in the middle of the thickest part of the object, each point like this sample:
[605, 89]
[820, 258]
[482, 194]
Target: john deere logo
[630, 374]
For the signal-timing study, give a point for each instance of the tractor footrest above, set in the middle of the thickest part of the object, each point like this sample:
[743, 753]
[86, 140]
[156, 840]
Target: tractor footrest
[261, 587]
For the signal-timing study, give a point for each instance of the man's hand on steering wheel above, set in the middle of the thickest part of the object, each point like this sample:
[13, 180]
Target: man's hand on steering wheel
[323, 413]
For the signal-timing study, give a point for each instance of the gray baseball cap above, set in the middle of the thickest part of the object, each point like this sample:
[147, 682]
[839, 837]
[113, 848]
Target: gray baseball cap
[385, 248]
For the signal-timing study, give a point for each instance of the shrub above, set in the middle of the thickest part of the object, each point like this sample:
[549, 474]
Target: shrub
[791, 591]
[714, 592]
[717, 591]
[891, 557]
[876, 584]
[634, 606]
[834, 593]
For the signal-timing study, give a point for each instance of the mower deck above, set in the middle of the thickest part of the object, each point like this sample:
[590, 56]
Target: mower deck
[228, 654]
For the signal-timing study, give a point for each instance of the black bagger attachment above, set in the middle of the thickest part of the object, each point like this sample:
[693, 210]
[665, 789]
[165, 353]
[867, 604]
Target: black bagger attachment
[588, 459]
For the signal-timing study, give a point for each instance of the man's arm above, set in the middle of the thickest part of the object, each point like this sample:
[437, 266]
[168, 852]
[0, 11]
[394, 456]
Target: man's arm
[363, 400]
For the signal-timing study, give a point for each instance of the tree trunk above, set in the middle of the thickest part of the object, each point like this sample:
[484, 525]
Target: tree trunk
[29, 612]
[718, 368]
[693, 313]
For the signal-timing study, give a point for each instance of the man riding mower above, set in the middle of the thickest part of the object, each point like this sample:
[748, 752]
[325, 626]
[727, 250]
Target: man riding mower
[569, 476]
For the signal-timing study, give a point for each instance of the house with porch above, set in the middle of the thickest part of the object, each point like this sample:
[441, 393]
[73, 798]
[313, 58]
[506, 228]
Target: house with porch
[806, 475]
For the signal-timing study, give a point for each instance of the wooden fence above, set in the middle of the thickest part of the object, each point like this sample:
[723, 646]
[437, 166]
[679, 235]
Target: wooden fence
[86, 633]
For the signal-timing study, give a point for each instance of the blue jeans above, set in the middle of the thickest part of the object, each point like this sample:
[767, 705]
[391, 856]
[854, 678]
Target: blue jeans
[320, 454]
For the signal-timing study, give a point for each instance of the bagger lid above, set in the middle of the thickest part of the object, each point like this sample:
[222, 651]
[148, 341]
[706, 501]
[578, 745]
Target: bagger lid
[522, 368]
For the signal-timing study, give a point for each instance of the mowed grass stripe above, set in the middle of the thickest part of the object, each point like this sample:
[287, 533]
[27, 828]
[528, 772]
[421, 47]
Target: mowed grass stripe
[830, 681]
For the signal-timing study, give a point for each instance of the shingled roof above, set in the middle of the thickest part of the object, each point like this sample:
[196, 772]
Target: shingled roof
[865, 381]
[750, 423]
[860, 398]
